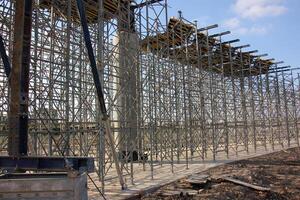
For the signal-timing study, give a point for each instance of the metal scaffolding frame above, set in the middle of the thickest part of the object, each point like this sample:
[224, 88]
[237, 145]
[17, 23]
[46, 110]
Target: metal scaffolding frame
[175, 92]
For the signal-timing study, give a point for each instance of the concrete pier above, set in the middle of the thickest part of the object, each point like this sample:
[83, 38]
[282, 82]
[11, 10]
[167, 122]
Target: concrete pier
[54, 186]
[127, 61]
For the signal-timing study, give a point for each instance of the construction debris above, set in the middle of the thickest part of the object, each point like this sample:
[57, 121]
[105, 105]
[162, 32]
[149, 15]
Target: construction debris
[198, 180]
[240, 180]
[175, 93]
[255, 187]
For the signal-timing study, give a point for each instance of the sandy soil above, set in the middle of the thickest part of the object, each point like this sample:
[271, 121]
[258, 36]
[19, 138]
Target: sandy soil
[278, 171]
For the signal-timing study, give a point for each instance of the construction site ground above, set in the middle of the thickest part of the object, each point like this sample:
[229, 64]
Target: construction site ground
[277, 173]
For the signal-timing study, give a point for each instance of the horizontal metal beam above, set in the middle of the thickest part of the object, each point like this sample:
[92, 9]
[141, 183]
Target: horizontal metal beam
[261, 55]
[277, 68]
[51, 164]
[250, 52]
[241, 47]
[271, 59]
[231, 41]
[220, 34]
[208, 27]
[278, 63]
[145, 4]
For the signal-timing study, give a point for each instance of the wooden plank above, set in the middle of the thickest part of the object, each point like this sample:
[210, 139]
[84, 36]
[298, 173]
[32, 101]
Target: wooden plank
[198, 179]
[238, 182]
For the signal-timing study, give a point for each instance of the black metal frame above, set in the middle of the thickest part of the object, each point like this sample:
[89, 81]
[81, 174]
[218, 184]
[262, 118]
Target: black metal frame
[18, 116]
[51, 164]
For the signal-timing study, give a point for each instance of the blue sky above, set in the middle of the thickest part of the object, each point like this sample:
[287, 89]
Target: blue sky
[270, 26]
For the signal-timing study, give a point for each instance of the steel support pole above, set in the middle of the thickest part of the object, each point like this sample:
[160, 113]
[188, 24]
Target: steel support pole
[286, 109]
[269, 101]
[100, 57]
[211, 95]
[295, 109]
[224, 99]
[18, 102]
[278, 110]
[151, 128]
[183, 70]
[98, 86]
[252, 106]
[66, 148]
[202, 98]
[262, 121]
[244, 111]
[233, 82]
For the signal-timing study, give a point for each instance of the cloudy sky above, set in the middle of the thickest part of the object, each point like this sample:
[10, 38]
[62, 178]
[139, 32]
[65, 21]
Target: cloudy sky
[270, 26]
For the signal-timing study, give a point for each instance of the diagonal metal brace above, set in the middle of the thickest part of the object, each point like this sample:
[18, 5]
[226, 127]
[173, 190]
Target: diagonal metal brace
[98, 86]
[6, 63]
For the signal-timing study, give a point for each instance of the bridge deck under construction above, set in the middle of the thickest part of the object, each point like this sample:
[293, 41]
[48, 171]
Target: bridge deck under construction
[175, 92]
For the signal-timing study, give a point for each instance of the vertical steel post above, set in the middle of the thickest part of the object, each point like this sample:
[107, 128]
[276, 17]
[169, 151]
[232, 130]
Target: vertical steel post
[51, 112]
[100, 56]
[295, 109]
[278, 109]
[98, 86]
[244, 110]
[151, 123]
[35, 86]
[224, 99]
[252, 105]
[66, 148]
[262, 121]
[183, 43]
[211, 95]
[286, 109]
[277, 112]
[18, 104]
[232, 77]
[269, 102]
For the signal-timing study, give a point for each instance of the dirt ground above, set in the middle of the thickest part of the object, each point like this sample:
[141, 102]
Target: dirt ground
[279, 172]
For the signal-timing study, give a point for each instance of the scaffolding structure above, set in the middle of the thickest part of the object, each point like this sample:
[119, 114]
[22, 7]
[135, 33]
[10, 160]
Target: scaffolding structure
[175, 92]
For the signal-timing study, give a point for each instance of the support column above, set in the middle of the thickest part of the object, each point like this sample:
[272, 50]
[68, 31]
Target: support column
[18, 102]
[244, 111]
[128, 60]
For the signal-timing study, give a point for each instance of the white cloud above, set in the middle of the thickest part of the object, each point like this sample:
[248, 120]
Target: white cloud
[254, 9]
[253, 30]
[235, 26]
[232, 23]
[259, 30]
